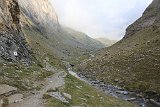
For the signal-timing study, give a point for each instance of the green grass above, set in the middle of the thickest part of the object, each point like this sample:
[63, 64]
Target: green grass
[52, 102]
[43, 48]
[53, 49]
[22, 77]
[85, 95]
[134, 61]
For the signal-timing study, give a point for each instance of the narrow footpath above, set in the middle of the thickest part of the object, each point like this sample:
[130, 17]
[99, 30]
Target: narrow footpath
[57, 80]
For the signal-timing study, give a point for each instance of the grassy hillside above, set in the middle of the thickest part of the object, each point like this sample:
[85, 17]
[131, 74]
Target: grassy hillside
[43, 47]
[132, 63]
[82, 38]
[22, 77]
[61, 43]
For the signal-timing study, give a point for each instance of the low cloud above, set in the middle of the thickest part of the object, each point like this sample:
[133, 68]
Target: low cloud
[100, 18]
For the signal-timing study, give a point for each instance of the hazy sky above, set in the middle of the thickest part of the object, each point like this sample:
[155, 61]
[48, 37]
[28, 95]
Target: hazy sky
[100, 18]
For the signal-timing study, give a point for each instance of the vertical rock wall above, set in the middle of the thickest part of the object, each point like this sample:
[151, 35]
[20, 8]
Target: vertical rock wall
[41, 13]
[13, 46]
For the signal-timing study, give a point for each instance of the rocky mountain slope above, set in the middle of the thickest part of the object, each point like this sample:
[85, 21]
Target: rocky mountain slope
[150, 18]
[13, 46]
[106, 41]
[84, 39]
[134, 62]
[41, 13]
[32, 43]
[47, 38]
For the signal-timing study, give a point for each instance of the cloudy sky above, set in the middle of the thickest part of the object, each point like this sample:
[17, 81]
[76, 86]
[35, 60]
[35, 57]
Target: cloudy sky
[100, 18]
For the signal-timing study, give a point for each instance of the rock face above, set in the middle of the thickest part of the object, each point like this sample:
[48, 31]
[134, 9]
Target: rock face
[151, 17]
[12, 42]
[41, 13]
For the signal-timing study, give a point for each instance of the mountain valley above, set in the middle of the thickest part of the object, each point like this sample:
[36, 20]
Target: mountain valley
[38, 57]
[133, 62]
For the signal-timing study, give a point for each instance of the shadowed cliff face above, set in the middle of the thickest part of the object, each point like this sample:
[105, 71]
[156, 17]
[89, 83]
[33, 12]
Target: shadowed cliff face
[151, 17]
[12, 41]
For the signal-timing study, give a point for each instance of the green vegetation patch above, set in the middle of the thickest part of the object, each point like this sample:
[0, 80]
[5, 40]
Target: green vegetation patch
[22, 77]
[85, 96]
[132, 63]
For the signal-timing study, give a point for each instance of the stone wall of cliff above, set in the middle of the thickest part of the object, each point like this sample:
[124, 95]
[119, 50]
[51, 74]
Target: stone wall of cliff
[41, 13]
[13, 46]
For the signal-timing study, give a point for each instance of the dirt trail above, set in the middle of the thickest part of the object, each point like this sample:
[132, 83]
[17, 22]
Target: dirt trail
[36, 100]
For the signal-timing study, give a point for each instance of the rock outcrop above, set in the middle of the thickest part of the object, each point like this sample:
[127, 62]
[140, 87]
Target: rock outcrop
[151, 17]
[41, 13]
[13, 46]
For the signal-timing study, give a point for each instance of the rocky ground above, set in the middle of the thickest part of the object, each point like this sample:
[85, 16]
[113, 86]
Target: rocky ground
[36, 100]
[14, 99]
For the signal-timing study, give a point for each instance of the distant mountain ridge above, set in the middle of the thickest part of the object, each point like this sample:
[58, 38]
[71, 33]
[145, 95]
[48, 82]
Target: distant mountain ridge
[106, 41]
[84, 39]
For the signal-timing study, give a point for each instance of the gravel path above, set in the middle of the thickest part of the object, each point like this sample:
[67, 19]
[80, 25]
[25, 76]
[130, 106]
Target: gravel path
[57, 80]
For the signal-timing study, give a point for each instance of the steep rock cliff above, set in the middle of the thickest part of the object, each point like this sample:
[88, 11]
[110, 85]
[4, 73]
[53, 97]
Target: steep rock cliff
[13, 46]
[41, 13]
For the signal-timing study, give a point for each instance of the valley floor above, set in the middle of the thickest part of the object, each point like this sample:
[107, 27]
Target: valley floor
[64, 90]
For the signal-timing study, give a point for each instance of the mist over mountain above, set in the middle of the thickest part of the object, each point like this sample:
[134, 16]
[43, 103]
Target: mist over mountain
[39, 18]
[106, 41]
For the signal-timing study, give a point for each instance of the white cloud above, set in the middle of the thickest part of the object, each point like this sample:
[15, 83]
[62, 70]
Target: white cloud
[107, 18]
